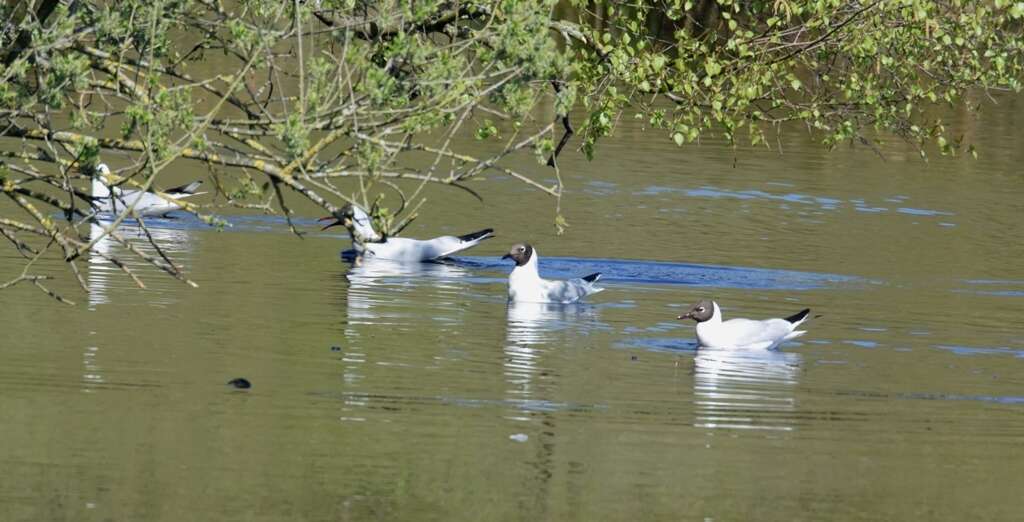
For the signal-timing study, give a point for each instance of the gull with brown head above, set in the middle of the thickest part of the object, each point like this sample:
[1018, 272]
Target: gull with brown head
[713, 332]
[525, 285]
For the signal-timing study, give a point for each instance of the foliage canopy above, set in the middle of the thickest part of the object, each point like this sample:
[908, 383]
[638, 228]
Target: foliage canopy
[347, 100]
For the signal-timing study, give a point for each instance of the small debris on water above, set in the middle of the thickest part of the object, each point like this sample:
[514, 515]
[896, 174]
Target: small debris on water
[519, 437]
[241, 383]
[634, 358]
[335, 348]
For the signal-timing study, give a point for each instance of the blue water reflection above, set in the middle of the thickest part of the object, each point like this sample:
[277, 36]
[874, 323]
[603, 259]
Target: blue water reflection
[689, 274]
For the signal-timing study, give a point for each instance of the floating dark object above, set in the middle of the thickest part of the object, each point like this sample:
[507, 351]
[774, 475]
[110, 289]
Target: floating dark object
[240, 383]
[335, 348]
[633, 358]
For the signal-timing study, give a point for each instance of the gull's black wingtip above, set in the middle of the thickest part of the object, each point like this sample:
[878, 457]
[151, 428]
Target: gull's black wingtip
[799, 316]
[592, 278]
[479, 235]
[188, 188]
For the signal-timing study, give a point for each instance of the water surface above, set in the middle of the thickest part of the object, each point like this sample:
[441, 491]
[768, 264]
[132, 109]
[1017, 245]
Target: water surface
[398, 393]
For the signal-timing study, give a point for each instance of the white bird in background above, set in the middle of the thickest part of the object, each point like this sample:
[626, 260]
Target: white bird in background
[526, 286]
[369, 244]
[111, 200]
[713, 332]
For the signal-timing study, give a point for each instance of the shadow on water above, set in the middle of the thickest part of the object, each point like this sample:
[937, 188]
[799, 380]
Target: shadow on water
[668, 273]
[477, 268]
[178, 220]
[237, 223]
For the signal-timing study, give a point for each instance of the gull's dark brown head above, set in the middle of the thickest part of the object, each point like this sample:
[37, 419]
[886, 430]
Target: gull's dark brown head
[700, 312]
[520, 253]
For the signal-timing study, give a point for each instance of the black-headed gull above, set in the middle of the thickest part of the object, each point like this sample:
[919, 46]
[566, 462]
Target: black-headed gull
[111, 200]
[525, 284]
[713, 332]
[369, 244]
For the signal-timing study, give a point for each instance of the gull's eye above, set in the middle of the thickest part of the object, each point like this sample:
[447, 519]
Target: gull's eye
[700, 308]
[522, 249]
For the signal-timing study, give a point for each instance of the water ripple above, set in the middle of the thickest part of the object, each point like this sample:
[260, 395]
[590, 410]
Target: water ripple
[822, 202]
[981, 350]
[688, 274]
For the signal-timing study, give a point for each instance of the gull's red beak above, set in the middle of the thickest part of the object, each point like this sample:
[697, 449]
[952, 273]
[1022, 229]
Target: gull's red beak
[329, 225]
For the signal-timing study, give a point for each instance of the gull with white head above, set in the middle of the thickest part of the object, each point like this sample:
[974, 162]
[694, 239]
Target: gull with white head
[112, 200]
[369, 244]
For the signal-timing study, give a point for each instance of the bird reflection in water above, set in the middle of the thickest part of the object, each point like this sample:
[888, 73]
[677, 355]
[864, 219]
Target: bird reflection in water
[379, 291]
[537, 323]
[531, 328]
[382, 293]
[105, 277]
[745, 389]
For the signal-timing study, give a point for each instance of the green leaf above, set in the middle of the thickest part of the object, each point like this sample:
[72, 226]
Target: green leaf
[712, 67]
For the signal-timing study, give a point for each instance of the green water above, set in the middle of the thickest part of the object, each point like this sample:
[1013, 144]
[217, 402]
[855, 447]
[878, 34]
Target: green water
[421, 396]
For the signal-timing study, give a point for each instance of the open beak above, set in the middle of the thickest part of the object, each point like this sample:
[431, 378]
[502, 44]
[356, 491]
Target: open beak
[329, 225]
[506, 256]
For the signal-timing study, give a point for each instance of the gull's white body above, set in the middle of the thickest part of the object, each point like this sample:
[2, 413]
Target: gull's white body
[413, 250]
[525, 285]
[404, 249]
[746, 334]
[111, 200]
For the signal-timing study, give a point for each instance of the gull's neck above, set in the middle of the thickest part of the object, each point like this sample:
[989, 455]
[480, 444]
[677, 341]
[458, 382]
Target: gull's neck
[363, 225]
[716, 317]
[99, 188]
[529, 269]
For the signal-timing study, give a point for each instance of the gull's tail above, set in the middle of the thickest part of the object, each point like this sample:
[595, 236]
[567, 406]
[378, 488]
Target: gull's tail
[465, 242]
[186, 190]
[796, 320]
[476, 237]
[588, 283]
[799, 317]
